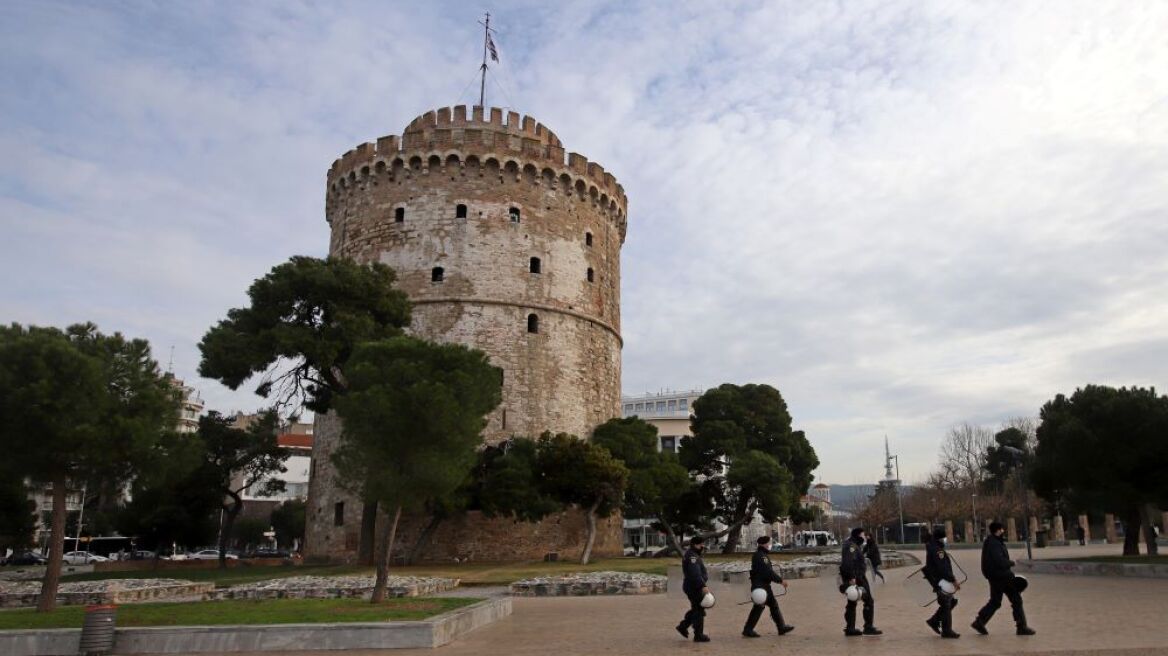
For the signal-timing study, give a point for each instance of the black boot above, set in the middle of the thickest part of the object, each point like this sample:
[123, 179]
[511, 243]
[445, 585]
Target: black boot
[1025, 631]
[979, 626]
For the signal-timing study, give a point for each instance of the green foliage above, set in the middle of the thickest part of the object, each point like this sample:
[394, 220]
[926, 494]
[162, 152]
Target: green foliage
[174, 500]
[288, 520]
[306, 315]
[509, 482]
[249, 532]
[1001, 463]
[1104, 448]
[751, 459]
[412, 418]
[658, 486]
[17, 513]
[578, 472]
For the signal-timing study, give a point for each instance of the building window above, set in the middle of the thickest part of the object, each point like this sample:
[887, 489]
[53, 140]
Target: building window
[588, 239]
[660, 406]
[591, 275]
[533, 323]
[460, 211]
[504, 418]
[339, 513]
[681, 404]
[672, 405]
[399, 215]
[436, 274]
[628, 408]
[669, 443]
[535, 265]
[514, 213]
[640, 407]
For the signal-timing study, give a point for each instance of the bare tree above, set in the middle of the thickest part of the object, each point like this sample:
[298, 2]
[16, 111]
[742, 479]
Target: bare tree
[963, 456]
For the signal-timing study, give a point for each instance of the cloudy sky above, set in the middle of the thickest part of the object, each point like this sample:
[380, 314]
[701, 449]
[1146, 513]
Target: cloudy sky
[902, 215]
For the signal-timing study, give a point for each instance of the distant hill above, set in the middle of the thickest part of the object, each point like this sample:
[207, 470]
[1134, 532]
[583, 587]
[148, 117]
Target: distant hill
[849, 497]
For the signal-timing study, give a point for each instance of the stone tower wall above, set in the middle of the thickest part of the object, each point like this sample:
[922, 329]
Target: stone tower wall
[397, 202]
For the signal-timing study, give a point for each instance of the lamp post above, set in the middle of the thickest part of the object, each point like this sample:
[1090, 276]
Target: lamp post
[1020, 457]
[899, 503]
[975, 526]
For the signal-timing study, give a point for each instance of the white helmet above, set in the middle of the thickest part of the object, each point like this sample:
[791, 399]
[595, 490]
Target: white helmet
[708, 600]
[854, 593]
[758, 596]
[947, 587]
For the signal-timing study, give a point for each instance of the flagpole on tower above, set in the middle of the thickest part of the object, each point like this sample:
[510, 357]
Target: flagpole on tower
[486, 42]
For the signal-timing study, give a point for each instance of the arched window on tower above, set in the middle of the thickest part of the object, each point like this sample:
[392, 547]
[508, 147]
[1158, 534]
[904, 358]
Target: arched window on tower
[514, 213]
[533, 323]
[460, 211]
[588, 239]
[399, 215]
[535, 265]
[437, 274]
[591, 275]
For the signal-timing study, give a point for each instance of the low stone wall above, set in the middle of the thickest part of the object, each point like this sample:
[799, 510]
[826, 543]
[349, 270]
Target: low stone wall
[1087, 568]
[738, 571]
[124, 591]
[433, 632]
[591, 583]
[333, 587]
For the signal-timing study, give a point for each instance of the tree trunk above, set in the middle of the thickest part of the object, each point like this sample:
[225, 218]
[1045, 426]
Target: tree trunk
[1149, 522]
[735, 533]
[368, 531]
[385, 552]
[672, 540]
[591, 534]
[423, 538]
[48, 599]
[231, 512]
[1131, 531]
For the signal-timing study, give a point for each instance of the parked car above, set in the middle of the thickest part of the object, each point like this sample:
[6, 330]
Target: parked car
[270, 553]
[210, 554]
[24, 559]
[82, 558]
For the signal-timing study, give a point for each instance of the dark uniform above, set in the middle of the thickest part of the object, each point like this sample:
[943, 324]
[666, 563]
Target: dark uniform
[693, 569]
[852, 567]
[872, 551]
[939, 567]
[762, 575]
[997, 567]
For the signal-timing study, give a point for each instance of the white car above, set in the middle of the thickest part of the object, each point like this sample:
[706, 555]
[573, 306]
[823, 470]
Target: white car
[82, 558]
[210, 554]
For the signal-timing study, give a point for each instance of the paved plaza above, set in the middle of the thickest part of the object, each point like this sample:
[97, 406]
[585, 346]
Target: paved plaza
[1073, 615]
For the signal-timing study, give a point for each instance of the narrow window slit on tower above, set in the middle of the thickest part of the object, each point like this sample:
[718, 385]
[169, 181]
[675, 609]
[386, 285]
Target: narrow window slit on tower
[399, 215]
[437, 274]
[535, 266]
[514, 215]
[460, 211]
[588, 239]
[339, 513]
[533, 323]
[591, 274]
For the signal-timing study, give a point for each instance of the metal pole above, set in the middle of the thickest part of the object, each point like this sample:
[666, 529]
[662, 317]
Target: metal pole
[975, 531]
[899, 504]
[80, 516]
[483, 82]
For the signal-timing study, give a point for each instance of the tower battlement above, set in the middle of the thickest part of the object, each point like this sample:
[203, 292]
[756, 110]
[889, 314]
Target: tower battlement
[514, 143]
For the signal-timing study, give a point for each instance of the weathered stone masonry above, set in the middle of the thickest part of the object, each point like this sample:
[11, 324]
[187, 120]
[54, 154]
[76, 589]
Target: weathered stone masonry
[505, 243]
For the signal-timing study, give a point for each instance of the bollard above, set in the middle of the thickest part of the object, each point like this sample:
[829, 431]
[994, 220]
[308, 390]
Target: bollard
[97, 634]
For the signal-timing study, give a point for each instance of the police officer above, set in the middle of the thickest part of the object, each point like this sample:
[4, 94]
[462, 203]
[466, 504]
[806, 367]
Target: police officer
[997, 567]
[938, 568]
[762, 574]
[693, 569]
[852, 572]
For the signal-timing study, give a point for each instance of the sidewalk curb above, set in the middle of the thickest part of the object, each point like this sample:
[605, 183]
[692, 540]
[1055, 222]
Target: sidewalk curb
[1074, 568]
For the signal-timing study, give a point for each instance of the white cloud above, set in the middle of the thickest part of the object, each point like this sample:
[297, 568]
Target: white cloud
[904, 216]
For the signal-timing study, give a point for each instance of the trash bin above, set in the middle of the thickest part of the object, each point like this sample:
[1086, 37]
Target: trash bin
[97, 634]
[1040, 538]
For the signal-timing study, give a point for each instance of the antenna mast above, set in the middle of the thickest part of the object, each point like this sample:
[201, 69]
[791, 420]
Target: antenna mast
[486, 39]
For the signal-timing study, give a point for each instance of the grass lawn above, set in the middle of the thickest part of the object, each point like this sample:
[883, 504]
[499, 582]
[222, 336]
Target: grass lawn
[224, 578]
[471, 574]
[269, 611]
[1139, 560]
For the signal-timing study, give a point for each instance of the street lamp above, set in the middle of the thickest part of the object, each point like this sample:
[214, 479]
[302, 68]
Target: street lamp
[1020, 457]
[899, 504]
[975, 525]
